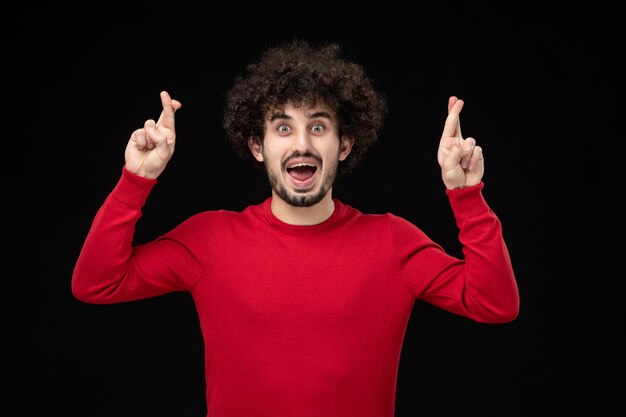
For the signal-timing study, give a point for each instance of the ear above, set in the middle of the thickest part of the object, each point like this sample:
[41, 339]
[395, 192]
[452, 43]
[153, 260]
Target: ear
[256, 147]
[345, 146]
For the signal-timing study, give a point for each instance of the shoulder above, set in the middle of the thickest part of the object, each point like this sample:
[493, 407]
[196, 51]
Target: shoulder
[386, 219]
[212, 220]
[349, 210]
[389, 221]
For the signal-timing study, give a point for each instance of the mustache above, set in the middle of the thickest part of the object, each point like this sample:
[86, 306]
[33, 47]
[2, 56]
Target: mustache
[302, 155]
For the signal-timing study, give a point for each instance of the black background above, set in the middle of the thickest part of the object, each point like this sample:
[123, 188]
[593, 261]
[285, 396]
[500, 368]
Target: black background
[542, 92]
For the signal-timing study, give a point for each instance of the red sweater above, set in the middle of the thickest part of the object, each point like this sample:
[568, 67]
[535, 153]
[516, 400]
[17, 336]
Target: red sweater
[299, 321]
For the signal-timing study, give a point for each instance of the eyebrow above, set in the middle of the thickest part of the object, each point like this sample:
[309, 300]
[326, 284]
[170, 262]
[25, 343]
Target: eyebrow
[283, 116]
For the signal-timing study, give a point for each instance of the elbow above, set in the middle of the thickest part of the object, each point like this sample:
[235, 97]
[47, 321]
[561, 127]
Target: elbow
[82, 286]
[501, 306]
[514, 311]
[82, 293]
[504, 313]
[496, 310]
[92, 286]
[86, 291]
[507, 316]
[510, 311]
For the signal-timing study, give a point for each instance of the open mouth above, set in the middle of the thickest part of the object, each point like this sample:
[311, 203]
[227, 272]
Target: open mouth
[301, 172]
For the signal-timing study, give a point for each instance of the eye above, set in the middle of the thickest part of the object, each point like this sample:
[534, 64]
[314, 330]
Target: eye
[318, 128]
[283, 129]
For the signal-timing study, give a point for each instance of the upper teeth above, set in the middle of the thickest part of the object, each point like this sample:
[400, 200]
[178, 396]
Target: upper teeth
[300, 165]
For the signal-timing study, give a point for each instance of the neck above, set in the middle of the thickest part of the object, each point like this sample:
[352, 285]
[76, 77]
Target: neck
[303, 216]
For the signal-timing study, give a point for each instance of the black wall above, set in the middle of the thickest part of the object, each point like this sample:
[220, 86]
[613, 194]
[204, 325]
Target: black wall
[541, 93]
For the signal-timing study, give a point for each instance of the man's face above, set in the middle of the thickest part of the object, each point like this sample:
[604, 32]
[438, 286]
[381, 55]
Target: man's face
[301, 151]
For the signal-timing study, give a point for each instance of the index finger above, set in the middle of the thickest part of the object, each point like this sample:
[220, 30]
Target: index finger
[166, 118]
[452, 126]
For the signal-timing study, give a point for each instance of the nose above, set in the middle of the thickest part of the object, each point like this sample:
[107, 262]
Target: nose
[302, 141]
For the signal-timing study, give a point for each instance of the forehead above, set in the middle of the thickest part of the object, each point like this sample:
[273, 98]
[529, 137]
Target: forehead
[306, 110]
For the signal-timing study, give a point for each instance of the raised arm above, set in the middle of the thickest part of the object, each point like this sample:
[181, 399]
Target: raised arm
[109, 269]
[481, 285]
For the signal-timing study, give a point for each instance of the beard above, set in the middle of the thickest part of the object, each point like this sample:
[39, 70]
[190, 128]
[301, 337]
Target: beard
[301, 199]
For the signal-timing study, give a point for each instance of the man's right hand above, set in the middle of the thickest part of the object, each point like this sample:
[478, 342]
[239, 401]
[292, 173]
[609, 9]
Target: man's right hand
[150, 148]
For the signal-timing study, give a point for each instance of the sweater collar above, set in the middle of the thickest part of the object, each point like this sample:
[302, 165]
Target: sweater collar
[315, 228]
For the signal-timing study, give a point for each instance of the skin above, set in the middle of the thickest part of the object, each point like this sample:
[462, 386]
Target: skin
[295, 132]
[461, 160]
[151, 147]
[290, 135]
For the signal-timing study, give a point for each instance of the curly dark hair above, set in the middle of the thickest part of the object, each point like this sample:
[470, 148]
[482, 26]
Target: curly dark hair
[301, 74]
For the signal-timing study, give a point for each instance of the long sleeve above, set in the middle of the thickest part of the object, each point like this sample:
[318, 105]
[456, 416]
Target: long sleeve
[110, 269]
[482, 285]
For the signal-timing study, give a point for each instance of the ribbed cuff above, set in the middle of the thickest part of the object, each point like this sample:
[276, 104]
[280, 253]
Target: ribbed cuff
[468, 201]
[132, 189]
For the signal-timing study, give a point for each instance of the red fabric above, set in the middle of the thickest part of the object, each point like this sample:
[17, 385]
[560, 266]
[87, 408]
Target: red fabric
[303, 321]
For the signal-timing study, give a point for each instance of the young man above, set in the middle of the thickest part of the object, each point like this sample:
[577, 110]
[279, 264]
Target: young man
[303, 300]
